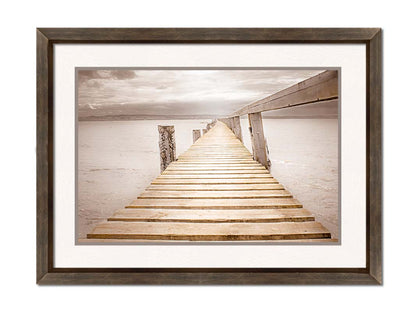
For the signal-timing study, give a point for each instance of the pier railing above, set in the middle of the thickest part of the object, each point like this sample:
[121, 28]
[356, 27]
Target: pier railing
[322, 88]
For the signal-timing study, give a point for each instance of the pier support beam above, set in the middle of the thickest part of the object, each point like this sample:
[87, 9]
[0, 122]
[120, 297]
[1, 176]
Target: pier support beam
[196, 134]
[257, 139]
[167, 146]
[237, 127]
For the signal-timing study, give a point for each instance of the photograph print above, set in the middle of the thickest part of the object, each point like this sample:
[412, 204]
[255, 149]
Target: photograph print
[208, 155]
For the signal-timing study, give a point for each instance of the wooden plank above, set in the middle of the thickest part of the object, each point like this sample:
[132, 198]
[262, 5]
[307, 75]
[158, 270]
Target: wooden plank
[257, 139]
[211, 216]
[205, 155]
[214, 150]
[214, 187]
[315, 89]
[216, 176]
[216, 172]
[216, 142]
[234, 145]
[216, 159]
[211, 150]
[211, 162]
[210, 231]
[316, 241]
[215, 181]
[220, 149]
[214, 168]
[201, 154]
[216, 203]
[208, 163]
[216, 194]
[224, 154]
[211, 158]
[230, 146]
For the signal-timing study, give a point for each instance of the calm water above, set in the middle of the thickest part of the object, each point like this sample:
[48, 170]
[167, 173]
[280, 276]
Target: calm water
[118, 159]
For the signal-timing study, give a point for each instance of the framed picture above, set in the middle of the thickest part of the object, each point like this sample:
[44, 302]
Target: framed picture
[209, 156]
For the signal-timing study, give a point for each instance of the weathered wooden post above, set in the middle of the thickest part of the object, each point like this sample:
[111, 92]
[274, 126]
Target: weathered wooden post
[167, 146]
[196, 134]
[237, 128]
[257, 139]
[230, 124]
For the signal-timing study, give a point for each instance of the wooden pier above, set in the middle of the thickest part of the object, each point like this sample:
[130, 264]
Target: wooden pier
[215, 191]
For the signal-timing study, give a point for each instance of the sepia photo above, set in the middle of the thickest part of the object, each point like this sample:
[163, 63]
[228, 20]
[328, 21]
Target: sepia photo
[208, 155]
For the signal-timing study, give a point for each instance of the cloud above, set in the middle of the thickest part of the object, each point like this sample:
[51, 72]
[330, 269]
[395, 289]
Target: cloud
[122, 74]
[188, 92]
[85, 75]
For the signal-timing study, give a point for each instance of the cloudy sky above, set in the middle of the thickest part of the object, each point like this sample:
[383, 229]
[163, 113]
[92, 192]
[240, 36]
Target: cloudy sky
[178, 92]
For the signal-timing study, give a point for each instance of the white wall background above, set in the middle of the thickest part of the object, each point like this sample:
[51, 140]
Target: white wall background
[18, 23]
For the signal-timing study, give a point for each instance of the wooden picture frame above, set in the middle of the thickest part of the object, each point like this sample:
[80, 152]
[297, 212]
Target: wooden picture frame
[48, 274]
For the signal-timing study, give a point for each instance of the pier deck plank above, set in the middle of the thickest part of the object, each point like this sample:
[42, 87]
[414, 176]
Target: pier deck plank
[215, 194]
[212, 216]
[215, 187]
[209, 231]
[216, 203]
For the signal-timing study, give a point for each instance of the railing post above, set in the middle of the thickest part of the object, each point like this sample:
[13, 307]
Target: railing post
[196, 134]
[167, 146]
[237, 127]
[257, 138]
[230, 122]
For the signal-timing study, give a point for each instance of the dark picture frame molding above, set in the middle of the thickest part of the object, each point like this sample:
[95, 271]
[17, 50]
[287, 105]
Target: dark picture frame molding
[48, 274]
